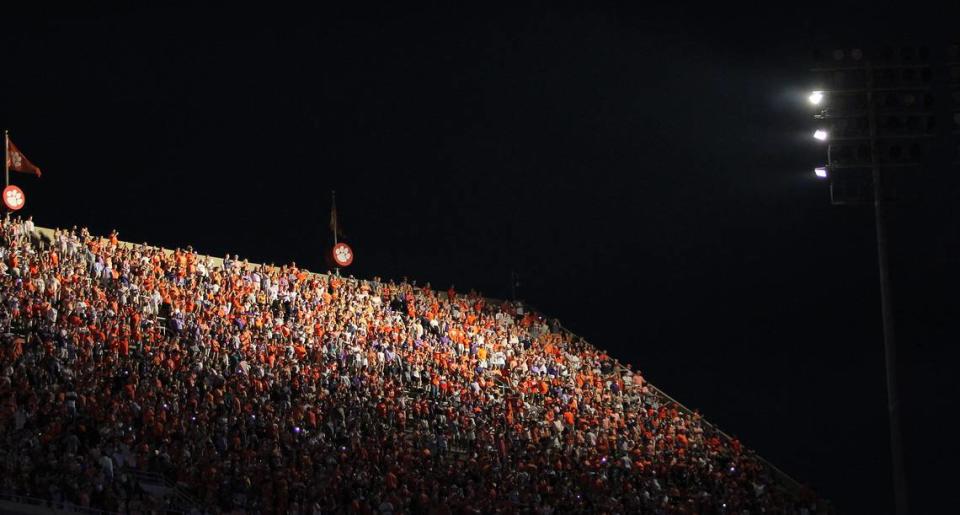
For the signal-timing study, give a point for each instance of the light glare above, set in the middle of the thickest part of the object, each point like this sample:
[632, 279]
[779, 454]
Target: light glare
[816, 97]
[821, 172]
[820, 134]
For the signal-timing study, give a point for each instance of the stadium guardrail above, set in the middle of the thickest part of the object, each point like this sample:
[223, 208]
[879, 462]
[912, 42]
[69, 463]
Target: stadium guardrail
[47, 504]
[785, 479]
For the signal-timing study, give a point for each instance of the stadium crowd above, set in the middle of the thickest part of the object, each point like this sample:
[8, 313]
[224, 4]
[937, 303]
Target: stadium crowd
[275, 390]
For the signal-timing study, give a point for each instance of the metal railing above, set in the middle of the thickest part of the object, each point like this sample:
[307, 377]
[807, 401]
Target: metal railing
[785, 479]
[60, 506]
[184, 502]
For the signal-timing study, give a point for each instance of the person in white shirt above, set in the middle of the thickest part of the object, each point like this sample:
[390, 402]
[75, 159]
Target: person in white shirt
[106, 463]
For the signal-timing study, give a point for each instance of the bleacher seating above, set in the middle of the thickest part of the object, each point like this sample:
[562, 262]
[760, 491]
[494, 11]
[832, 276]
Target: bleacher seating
[275, 390]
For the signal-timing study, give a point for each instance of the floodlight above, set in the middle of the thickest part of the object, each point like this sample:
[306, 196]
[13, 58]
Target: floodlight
[820, 134]
[816, 97]
[821, 172]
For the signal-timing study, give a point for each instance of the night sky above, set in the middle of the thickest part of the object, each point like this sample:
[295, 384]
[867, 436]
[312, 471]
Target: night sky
[646, 173]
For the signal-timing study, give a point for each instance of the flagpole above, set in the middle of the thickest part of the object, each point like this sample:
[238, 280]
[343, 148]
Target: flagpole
[6, 157]
[333, 208]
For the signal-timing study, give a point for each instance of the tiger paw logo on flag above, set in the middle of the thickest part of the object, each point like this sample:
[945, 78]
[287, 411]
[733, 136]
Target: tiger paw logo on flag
[18, 162]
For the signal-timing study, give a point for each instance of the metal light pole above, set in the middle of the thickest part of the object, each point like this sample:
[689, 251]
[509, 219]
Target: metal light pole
[886, 309]
[853, 79]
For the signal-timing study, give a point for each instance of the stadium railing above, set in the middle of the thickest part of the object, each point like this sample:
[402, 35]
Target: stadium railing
[785, 479]
[27, 504]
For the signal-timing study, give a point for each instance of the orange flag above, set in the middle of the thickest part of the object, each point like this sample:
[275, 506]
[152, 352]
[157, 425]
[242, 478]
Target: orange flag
[18, 162]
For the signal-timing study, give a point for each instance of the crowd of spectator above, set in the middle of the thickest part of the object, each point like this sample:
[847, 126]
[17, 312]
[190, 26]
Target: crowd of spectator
[268, 389]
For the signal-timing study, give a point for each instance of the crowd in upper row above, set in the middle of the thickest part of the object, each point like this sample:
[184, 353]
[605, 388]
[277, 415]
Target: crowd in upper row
[268, 389]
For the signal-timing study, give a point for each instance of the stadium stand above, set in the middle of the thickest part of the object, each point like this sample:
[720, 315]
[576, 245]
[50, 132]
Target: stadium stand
[135, 379]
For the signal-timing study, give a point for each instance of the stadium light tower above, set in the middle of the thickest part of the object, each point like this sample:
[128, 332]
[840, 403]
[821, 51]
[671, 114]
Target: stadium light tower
[875, 106]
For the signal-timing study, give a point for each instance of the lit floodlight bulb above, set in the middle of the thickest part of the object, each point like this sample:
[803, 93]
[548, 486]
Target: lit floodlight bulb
[816, 97]
[821, 172]
[820, 134]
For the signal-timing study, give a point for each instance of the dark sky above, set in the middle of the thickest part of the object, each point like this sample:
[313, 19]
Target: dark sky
[646, 171]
